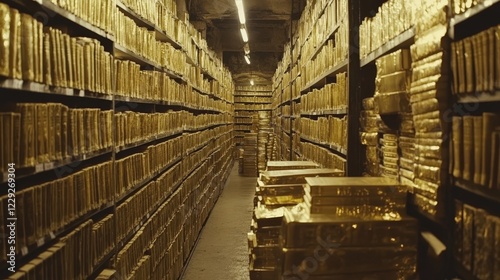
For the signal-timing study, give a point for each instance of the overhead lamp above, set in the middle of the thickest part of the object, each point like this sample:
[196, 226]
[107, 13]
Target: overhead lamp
[241, 11]
[246, 48]
[252, 83]
[244, 34]
[247, 59]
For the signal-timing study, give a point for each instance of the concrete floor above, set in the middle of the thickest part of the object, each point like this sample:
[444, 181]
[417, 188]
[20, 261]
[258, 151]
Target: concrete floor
[222, 252]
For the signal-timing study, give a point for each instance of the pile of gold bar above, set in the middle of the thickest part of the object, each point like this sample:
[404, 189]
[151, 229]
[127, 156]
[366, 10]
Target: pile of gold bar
[313, 224]
[349, 228]
[278, 188]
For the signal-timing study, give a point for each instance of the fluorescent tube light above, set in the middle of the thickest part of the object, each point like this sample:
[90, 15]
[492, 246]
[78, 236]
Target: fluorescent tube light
[241, 11]
[244, 34]
[251, 82]
[247, 59]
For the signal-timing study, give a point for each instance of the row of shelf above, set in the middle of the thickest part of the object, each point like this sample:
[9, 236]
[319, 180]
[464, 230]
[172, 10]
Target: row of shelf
[52, 236]
[47, 8]
[492, 195]
[266, 109]
[323, 42]
[471, 12]
[142, 22]
[146, 217]
[404, 39]
[225, 176]
[407, 38]
[52, 9]
[335, 112]
[56, 165]
[341, 67]
[332, 147]
[252, 95]
[124, 53]
[38, 88]
[309, 32]
[50, 166]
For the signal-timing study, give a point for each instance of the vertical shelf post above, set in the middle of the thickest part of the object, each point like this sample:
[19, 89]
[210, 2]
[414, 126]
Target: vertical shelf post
[354, 149]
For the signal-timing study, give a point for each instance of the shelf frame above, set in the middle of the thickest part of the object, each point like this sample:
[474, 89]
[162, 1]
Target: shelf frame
[472, 12]
[39, 88]
[332, 112]
[337, 149]
[24, 172]
[340, 67]
[51, 8]
[403, 40]
[479, 97]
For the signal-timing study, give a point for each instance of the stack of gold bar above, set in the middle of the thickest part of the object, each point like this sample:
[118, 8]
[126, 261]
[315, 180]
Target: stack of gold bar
[264, 130]
[278, 188]
[263, 242]
[297, 176]
[285, 165]
[407, 151]
[369, 121]
[349, 228]
[430, 99]
[241, 159]
[354, 196]
[250, 155]
[389, 167]
[393, 82]
[255, 123]
[271, 147]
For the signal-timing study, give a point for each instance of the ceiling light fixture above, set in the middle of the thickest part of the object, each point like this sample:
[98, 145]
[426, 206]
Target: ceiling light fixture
[246, 48]
[244, 34]
[241, 11]
[252, 83]
[247, 59]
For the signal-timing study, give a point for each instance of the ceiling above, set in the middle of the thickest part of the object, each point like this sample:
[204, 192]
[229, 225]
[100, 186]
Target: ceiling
[268, 26]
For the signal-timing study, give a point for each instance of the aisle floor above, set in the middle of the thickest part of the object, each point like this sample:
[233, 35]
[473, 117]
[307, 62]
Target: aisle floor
[221, 252]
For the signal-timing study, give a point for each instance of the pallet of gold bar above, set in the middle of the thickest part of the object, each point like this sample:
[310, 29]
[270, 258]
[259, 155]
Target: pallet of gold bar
[278, 188]
[348, 228]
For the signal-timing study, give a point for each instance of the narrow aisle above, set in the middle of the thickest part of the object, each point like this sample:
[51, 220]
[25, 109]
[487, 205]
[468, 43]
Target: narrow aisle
[222, 252]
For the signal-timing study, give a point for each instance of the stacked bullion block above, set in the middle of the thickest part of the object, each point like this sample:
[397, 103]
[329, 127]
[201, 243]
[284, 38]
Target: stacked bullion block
[277, 189]
[250, 155]
[392, 83]
[389, 167]
[264, 130]
[391, 98]
[351, 228]
[407, 151]
[241, 160]
[271, 146]
[369, 136]
[429, 98]
[286, 165]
